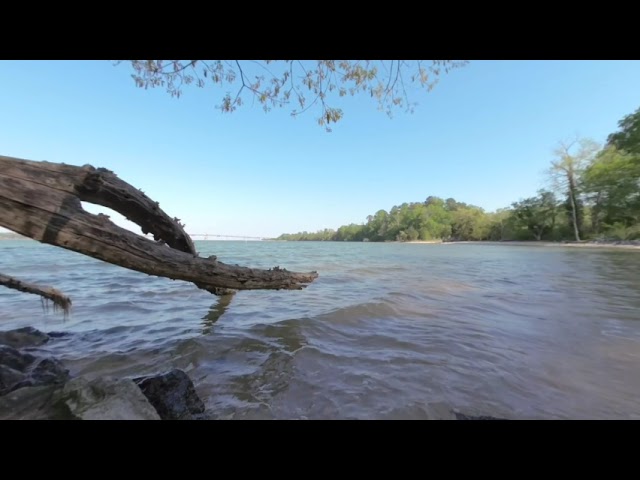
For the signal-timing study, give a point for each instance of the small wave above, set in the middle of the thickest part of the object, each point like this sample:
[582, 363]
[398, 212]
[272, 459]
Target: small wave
[361, 311]
[120, 307]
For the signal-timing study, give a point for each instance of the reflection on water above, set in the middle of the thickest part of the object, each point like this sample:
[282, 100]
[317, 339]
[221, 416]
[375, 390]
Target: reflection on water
[385, 332]
[215, 312]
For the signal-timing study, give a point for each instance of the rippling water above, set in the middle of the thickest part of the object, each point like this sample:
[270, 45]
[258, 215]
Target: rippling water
[508, 331]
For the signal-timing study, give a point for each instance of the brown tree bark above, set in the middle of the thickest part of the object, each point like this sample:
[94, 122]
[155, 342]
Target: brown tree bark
[41, 200]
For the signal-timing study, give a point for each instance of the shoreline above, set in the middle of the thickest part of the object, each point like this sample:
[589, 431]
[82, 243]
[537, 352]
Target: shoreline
[615, 245]
[619, 245]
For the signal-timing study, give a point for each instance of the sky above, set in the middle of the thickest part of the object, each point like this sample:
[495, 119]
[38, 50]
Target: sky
[484, 135]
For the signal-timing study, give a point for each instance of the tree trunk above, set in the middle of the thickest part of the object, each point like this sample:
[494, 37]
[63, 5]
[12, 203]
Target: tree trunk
[574, 207]
[41, 200]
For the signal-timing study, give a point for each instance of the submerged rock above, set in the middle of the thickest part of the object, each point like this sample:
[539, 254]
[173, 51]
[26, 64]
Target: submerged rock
[49, 371]
[105, 399]
[13, 358]
[19, 369]
[23, 337]
[427, 411]
[462, 416]
[173, 395]
[9, 378]
[34, 387]
[434, 411]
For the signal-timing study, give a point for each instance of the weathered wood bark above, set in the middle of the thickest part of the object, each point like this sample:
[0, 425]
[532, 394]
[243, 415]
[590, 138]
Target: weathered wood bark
[57, 297]
[41, 200]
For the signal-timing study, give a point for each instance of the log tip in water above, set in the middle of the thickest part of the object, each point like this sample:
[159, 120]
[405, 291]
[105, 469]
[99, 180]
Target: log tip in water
[47, 293]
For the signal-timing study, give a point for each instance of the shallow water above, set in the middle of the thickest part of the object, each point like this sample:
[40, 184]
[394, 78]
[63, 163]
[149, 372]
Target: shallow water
[508, 331]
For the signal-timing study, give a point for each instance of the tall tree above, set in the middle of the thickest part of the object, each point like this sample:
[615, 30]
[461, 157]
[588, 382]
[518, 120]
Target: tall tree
[566, 171]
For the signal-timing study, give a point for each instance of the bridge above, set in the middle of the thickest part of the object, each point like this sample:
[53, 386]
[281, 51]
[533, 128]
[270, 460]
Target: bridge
[211, 236]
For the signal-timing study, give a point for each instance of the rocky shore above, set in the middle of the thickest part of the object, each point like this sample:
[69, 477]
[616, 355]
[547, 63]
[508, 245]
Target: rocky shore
[36, 387]
[33, 387]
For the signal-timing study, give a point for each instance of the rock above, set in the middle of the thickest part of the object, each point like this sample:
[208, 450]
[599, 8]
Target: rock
[23, 337]
[32, 403]
[462, 416]
[439, 411]
[9, 378]
[49, 371]
[420, 411]
[19, 369]
[12, 358]
[105, 399]
[173, 395]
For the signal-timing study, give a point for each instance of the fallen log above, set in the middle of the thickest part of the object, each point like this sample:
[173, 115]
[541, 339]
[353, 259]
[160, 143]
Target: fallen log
[41, 200]
[48, 293]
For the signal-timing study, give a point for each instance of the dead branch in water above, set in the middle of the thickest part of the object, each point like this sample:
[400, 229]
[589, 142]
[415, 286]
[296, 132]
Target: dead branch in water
[57, 297]
[41, 200]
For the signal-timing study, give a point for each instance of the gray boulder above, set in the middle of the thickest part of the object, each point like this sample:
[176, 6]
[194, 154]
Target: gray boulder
[105, 399]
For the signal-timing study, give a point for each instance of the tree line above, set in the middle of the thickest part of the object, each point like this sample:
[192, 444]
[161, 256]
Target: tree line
[594, 193]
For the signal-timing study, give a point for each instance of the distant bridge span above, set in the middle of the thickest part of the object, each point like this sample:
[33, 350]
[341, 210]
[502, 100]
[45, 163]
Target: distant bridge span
[207, 236]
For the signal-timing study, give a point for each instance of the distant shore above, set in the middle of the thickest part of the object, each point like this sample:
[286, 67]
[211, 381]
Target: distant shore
[627, 245]
[624, 245]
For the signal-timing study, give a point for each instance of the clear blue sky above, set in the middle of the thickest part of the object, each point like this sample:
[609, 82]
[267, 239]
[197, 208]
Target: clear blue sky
[484, 136]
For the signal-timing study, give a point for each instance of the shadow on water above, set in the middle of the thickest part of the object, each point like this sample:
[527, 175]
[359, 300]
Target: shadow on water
[215, 312]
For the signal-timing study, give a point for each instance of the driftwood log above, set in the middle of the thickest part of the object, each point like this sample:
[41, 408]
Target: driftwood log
[41, 200]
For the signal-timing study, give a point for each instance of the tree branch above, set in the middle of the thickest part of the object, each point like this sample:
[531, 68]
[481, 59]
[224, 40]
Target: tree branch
[57, 297]
[41, 200]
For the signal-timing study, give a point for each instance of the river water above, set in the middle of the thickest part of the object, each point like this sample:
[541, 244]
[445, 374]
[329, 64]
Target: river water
[523, 332]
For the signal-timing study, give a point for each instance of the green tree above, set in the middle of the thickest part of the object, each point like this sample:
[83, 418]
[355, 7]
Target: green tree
[298, 85]
[612, 183]
[628, 137]
[429, 220]
[537, 214]
[434, 201]
[467, 223]
[438, 224]
[377, 226]
[350, 233]
[500, 224]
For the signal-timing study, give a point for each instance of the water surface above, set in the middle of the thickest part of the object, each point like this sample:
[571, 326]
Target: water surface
[509, 331]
